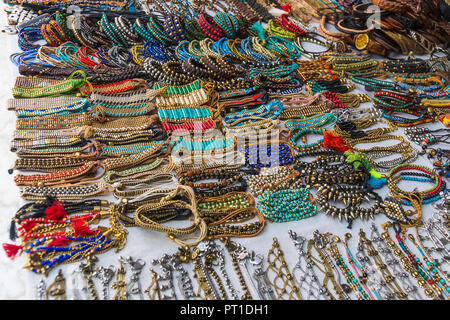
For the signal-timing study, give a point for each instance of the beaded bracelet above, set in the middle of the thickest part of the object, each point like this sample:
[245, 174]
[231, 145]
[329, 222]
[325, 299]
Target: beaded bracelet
[429, 195]
[269, 111]
[28, 108]
[320, 120]
[261, 155]
[158, 166]
[126, 124]
[32, 88]
[297, 133]
[228, 23]
[209, 27]
[142, 30]
[286, 205]
[173, 27]
[157, 31]
[46, 164]
[85, 172]
[54, 247]
[275, 29]
[111, 31]
[48, 142]
[54, 122]
[129, 149]
[198, 224]
[272, 179]
[73, 192]
[186, 147]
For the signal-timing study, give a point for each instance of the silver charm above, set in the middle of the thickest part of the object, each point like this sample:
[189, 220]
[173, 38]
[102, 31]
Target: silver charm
[105, 274]
[260, 276]
[41, 290]
[134, 286]
[165, 280]
[79, 286]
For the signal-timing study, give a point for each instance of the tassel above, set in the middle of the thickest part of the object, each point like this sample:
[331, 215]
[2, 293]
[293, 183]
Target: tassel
[59, 242]
[286, 7]
[257, 27]
[11, 250]
[81, 228]
[354, 158]
[12, 231]
[375, 174]
[55, 211]
[333, 141]
[376, 183]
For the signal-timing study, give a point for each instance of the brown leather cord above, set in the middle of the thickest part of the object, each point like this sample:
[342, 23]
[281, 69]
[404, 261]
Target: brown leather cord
[340, 26]
[381, 41]
[333, 36]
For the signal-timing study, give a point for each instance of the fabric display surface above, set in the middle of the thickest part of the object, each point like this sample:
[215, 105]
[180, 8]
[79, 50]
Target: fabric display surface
[226, 150]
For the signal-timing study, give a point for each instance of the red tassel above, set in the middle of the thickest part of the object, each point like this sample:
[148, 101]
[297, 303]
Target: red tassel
[333, 141]
[55, 211]
[286, 7]
[81, 228]
[59, 242]
[28, 226]
[11, 250]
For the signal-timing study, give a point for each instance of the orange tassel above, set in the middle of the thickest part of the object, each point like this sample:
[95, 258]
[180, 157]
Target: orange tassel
[333, 141]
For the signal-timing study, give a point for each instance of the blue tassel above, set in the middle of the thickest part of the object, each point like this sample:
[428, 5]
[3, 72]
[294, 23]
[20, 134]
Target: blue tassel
[376, 183]
[257, 27]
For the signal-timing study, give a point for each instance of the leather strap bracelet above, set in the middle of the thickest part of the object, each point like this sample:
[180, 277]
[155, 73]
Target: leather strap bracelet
[373, 46]
[387, 43]
[362, 11]
[340, 26]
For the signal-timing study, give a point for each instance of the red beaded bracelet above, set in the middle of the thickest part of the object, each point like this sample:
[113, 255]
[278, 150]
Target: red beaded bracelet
[210, 28]
[289, 26]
